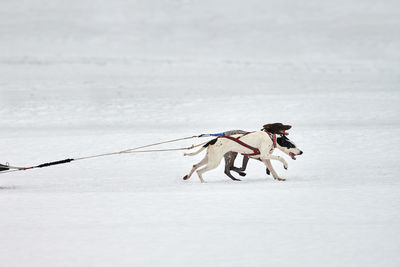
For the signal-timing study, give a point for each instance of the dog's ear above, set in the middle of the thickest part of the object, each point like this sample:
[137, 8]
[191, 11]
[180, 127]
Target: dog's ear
[277, 128]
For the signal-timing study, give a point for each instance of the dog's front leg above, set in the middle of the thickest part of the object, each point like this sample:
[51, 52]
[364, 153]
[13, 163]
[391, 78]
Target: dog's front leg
[269, 157]
[267, 162]
[266, 159]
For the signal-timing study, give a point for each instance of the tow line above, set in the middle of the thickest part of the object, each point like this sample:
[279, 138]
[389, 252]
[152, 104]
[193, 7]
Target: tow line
[6, 168]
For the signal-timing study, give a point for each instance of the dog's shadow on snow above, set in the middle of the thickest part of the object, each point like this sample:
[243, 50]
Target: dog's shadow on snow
[243, 181]
[290, 180]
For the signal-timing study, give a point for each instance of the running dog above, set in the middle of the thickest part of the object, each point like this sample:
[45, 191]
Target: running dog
[273, 128]
[257, 144]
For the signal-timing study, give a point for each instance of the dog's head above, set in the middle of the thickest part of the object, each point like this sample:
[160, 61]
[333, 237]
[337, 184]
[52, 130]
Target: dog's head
[276, 128]
[287, 146]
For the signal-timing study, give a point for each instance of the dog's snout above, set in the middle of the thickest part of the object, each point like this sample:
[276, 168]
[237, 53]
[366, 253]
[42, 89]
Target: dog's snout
[301, 152]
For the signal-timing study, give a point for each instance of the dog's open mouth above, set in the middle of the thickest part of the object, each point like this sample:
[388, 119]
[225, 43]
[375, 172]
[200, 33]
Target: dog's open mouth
[283, 132]
[292, 155]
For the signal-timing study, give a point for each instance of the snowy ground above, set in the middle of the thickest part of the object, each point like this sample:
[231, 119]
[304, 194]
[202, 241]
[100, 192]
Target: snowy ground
[86, 77]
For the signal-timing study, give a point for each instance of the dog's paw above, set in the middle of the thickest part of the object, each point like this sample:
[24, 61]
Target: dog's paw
[236, 179]
[242, 173]
[185, 177]
[280, 179]
[285, 164]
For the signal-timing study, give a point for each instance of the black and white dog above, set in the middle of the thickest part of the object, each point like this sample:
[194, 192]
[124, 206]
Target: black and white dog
[260, 141]
[283, 144]
[273, 128]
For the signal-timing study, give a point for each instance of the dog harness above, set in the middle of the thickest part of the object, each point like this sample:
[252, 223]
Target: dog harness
[255, 150]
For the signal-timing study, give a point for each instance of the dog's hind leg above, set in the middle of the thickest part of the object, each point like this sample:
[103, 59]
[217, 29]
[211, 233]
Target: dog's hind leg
[212, 164]
[243, 168]
[196, 166]
[229, 160]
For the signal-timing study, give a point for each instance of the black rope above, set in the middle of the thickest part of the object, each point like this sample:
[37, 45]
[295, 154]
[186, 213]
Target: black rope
[53, 163]
[7, 168]
[4, 168]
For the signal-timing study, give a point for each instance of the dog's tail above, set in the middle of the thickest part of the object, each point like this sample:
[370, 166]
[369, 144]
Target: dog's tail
[195, 153]
[201, 149]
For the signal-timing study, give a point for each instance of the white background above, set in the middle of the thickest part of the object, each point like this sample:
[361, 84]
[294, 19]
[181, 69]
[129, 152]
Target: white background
[86, 77]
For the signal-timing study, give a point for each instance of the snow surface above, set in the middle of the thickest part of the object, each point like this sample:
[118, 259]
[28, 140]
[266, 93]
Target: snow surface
[85, 77]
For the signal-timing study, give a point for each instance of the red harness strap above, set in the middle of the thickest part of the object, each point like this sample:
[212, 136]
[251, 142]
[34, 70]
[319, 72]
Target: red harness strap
[255, 150]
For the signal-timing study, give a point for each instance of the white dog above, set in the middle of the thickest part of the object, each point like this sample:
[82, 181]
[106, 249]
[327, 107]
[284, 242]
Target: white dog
[257, 144]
